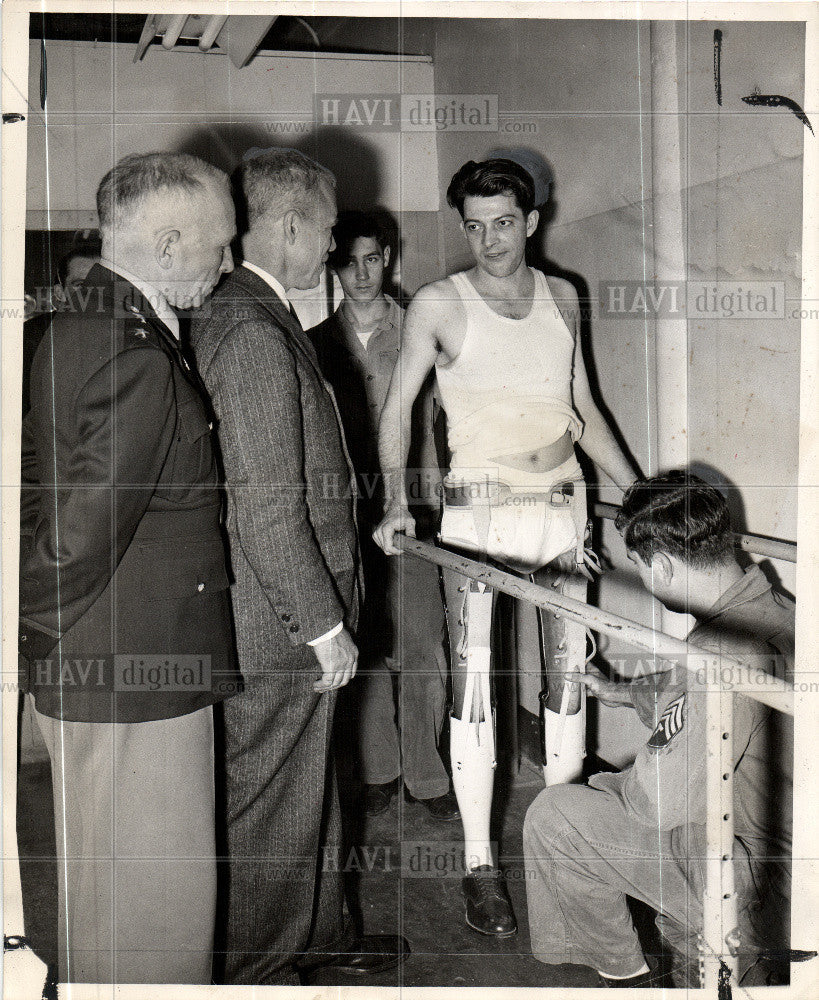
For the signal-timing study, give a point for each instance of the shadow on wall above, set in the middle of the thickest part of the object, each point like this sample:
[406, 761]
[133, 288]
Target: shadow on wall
[355, 163]
[537, 256]
[736, 506]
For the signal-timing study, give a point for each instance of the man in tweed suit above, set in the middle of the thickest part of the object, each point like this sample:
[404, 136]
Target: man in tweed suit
[293, 549]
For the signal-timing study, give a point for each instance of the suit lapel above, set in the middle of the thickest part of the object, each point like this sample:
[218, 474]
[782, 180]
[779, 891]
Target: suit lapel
[257, 289]
[261, 292]
[264, 295]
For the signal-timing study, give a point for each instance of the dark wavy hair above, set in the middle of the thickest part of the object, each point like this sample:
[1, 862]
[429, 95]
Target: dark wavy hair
[89, 250]
[492, 177]
[356, 225]
[679, 514]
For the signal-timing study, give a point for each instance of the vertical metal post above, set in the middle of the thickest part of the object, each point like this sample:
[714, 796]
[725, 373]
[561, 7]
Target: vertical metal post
[720, 901]
[670, 265]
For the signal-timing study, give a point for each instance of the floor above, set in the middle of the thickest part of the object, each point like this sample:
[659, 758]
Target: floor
[405, 894]
[392, 875]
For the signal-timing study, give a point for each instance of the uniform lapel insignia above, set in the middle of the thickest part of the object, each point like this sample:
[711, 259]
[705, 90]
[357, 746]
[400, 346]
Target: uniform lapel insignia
[671, 722]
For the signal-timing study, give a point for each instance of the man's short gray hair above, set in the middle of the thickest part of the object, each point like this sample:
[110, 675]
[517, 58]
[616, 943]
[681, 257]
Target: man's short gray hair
[126, 185]
[276, 181]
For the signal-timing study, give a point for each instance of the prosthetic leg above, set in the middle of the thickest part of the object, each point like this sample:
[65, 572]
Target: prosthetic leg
[472, 750]
[472, 736]
[563, 649]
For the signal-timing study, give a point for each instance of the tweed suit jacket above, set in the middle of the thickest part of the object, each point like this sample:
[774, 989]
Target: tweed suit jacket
[289, 480]
[121, 549]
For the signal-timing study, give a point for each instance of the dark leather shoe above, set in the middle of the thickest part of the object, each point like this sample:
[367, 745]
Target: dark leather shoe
[441, 807]
[368, 955]
[377, 798]
[488, 908]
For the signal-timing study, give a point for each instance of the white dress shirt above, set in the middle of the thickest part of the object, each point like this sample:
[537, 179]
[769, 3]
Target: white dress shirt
[274, 283]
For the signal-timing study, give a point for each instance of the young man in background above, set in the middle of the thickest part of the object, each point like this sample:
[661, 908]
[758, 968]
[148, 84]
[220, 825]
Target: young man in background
[402, 628]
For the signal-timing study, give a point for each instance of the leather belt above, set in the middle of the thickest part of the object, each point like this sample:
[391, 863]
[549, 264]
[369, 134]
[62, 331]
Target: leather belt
[486, 494]
[466, 494]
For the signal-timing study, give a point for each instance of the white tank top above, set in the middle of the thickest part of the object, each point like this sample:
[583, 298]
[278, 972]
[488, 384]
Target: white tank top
[509, 389]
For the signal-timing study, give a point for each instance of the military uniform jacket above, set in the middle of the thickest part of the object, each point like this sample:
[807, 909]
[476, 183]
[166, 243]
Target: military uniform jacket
[290, 484]
[124, 600]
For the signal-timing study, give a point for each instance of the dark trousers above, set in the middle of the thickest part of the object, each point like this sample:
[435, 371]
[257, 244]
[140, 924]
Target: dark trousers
[402, 636]
[585, 854]
[282, 896]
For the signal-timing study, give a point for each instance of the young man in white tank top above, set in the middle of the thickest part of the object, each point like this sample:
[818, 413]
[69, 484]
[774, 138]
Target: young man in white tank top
[504, 342]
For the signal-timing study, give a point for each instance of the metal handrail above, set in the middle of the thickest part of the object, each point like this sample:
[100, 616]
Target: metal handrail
[753, 682]
[759, 545]
[719, 902]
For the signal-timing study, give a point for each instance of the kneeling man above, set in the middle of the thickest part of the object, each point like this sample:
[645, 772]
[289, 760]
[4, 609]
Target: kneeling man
[641, 832]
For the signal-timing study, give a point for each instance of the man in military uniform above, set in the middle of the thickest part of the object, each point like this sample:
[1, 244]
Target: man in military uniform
[641, 832]
[125, 628]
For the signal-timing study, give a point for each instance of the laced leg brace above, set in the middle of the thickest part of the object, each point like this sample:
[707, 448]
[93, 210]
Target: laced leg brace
[472, 735]
[563, 648]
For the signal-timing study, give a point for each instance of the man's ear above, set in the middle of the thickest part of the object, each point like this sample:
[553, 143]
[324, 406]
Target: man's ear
[292, 225]
[386, 252]
[165, 247]
[58, 294]
[532, 220]
[662, 567]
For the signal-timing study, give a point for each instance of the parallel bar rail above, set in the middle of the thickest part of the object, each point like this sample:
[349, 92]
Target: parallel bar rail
[760, 545]
[753, 682]
[719, 930]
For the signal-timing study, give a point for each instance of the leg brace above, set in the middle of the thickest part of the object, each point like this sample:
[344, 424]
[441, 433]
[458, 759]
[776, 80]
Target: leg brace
[563, 648]
[472, 736]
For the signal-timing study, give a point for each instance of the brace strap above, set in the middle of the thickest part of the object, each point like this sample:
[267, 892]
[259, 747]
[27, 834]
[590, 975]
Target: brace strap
[477, 638]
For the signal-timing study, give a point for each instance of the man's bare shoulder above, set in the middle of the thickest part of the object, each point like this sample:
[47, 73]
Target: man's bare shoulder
[442, 288]
[438, 301]
[563, 291]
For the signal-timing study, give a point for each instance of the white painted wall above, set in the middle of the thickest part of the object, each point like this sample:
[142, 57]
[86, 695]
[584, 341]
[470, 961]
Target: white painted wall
[102, 106]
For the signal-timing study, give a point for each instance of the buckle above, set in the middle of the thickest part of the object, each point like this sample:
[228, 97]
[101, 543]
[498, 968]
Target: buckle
[562, 494]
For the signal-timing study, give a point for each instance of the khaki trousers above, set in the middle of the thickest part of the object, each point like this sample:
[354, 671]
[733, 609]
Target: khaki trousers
[134, 818]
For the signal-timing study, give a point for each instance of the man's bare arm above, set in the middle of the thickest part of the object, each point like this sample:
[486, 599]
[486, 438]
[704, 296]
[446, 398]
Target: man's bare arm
[419, 349]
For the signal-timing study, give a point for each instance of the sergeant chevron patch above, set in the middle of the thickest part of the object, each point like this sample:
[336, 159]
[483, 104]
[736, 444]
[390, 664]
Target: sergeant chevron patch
[671, 722]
